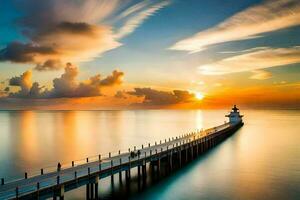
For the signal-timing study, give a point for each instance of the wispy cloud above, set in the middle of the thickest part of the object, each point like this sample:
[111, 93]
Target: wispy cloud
[260, 75]
[140, 13]
[269, 16]
[260, 59]
[61, 31]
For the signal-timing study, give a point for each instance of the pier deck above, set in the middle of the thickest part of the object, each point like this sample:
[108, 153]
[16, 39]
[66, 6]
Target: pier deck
[54, 183]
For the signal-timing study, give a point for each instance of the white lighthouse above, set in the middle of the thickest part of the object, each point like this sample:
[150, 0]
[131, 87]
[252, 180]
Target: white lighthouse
[234, 116]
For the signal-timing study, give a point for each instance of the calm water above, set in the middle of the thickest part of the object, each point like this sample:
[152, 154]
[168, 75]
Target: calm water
[261, 161]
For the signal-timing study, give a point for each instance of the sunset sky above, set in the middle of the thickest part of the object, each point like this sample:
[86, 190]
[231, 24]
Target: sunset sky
[130, 54]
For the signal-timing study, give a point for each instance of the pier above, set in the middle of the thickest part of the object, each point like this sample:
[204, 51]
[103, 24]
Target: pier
[54, 182]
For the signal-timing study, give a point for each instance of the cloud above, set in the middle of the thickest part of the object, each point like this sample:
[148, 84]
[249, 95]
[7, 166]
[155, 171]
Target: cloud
[66, 86]
[269, 16]
[245, 50]
[260, 59]
[22, 53]
[60, 31]
[141, 14]
[23, 81]
[260, 75]
[49, 65]
[121, 95]
[156, 97]
[115, 79]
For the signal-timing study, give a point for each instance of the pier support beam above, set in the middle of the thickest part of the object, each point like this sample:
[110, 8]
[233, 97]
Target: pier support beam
[59, 193]
[120, 177]
[144, 170]
[127, 174]
[192, 151]
[158, 165]
[197, 147]
[171, 161]
[186, 155]
[92, 189]
[139, 171]
[179, 154]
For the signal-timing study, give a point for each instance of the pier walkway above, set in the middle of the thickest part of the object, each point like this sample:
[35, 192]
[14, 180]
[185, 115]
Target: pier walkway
[54, 183]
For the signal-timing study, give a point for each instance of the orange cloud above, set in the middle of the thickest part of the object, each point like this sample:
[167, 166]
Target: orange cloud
[65, 86]
[260, 75]
[23, 81]
[157, 97]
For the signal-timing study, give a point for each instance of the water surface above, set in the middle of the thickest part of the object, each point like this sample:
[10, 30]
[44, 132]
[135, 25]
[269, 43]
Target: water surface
[261, 161]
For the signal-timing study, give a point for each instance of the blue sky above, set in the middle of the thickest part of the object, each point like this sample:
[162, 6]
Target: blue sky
[178, 44]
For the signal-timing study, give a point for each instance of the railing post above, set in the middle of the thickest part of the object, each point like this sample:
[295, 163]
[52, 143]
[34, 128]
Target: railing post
[112, 170]
[99, 157]
[160, 142]
[148, 144]
[72, 163]
[26, 176]
[100, 166]
[134, 148]
[142, 146]
[119, 152]
[155, 143]
[87, 160]
[109, 154]
[75, 175]
[129, 162]
[128, 149]
[42, 171]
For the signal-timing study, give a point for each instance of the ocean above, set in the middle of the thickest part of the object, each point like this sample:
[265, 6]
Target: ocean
[260, 161]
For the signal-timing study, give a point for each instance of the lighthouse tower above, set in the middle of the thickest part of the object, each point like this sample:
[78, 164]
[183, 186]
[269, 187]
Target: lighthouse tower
[234, 116]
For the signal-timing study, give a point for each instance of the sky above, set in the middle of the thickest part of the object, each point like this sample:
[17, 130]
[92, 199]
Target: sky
[151, 54]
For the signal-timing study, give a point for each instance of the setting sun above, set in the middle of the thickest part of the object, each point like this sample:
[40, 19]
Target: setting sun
[199, 95]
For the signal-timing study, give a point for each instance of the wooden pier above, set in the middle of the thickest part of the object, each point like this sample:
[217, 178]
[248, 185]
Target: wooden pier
[173, 151]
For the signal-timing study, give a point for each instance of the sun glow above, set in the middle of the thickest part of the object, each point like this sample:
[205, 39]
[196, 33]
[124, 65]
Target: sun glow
[199, 95]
